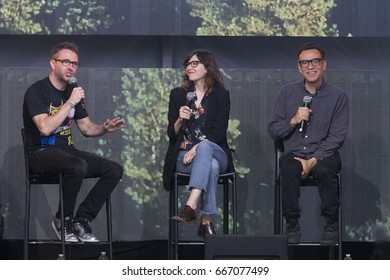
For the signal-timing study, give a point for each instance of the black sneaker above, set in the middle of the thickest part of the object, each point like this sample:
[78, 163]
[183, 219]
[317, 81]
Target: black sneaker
[83, 231]
[330, 236]
[69, 234]
[293, 231]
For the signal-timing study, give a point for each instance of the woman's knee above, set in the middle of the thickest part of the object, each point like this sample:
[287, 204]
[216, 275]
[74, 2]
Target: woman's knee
[204, 147]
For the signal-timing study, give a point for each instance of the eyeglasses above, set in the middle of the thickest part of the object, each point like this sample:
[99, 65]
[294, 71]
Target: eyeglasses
[67, 62]
[314, 62]
[193, 63]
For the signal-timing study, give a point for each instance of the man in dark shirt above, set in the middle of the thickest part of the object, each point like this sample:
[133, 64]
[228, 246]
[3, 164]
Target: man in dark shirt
[50, 106]
[311, 119]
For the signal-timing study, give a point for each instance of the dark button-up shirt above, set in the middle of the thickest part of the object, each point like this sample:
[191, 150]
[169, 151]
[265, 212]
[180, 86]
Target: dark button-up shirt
[326, 129]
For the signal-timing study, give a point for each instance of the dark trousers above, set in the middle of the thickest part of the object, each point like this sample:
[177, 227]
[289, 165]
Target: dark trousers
[75, 165]
[325, 172]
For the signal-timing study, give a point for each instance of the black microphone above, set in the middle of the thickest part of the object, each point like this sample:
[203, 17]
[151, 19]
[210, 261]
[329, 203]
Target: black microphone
[190, 97]
[73, 82]
[306, 101]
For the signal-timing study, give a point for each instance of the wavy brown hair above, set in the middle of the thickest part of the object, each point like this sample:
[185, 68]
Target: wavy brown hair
[213, 78]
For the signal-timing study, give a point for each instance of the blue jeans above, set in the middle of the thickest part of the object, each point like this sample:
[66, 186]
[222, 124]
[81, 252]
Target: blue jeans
[210, 160]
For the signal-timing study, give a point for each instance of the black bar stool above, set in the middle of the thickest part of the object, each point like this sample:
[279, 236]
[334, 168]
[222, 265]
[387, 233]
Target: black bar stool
[52, 179]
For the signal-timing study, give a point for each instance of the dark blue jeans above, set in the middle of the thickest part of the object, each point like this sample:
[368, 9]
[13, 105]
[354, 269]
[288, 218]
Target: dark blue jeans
[75, 166]
[325, 172]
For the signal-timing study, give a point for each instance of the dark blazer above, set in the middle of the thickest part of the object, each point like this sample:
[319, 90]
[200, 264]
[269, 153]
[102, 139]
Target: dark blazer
[218, 110]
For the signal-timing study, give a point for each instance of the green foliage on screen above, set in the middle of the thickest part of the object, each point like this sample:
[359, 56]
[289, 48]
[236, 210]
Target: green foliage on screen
[83, 17]
[264, 17]
[25, 16]
[372, 230]
[34, 16]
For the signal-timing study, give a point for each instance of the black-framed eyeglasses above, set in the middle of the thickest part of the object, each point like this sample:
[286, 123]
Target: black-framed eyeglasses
[314, 62]
[67, 62]
[193, 63]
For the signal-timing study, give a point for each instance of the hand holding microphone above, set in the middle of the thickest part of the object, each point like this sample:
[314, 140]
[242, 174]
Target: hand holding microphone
[306, 102]
[73, 82]
[185, 111]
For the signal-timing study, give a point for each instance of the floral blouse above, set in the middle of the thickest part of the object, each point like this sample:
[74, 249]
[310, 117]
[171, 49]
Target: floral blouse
[194, 131]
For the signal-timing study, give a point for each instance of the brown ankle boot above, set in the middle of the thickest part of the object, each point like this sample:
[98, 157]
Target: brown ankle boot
[186, 216]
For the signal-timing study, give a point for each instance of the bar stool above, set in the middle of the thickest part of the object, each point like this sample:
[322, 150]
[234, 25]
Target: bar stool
[182, 179]
[52, 179]
[309, 181]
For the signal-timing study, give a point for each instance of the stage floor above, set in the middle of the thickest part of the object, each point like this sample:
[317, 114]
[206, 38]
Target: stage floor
[158, 250]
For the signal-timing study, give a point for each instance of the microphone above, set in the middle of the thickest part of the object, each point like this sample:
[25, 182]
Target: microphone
[190, 97]
[73, 82]
[306, 101]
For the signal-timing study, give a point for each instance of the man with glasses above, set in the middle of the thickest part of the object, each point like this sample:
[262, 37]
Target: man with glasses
[49, 109]
[311, 119]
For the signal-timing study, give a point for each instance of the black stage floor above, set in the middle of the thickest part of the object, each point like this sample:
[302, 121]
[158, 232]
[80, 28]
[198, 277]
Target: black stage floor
[158, 250]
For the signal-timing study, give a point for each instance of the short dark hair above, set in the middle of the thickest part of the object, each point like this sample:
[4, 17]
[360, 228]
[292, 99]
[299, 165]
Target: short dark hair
[311, 46]
[65, 46]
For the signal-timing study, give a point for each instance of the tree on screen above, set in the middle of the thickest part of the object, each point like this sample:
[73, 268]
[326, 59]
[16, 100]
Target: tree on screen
[264, 17]
[52, 16]
[24, 16]
[83, 17]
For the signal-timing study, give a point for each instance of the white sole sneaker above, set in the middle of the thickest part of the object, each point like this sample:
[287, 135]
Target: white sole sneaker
[84, 232]
[57, 229]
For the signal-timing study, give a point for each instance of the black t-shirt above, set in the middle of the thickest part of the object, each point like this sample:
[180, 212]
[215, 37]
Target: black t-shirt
[43, 98]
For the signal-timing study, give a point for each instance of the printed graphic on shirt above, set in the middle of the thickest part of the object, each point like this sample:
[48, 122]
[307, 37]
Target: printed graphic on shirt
[63, 132]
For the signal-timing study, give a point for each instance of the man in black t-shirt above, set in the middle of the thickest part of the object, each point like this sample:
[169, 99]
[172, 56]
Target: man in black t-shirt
[49, 109]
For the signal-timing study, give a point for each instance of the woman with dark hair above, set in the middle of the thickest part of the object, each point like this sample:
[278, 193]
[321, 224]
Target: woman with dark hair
[197, 132]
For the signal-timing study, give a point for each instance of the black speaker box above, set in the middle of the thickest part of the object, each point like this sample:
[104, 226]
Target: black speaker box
[241, 247]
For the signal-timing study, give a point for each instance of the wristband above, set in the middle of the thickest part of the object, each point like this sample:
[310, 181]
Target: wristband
[71, 104]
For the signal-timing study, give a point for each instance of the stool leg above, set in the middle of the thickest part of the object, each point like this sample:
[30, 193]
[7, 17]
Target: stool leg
[172, 224]
[175, 224]
[109, 225]
[62, 216]
[278, 226]
[277, 214]
[170, 227]
[226, 206]
[234, 203]
[27, 220]
[340, 245]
